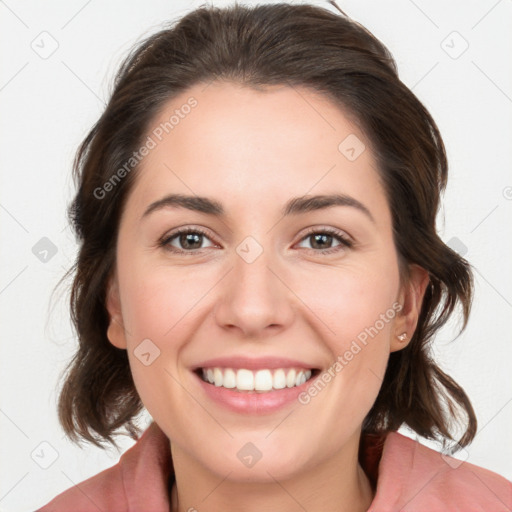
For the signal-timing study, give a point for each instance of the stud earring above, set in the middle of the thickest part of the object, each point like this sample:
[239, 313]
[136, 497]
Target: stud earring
[402, 337]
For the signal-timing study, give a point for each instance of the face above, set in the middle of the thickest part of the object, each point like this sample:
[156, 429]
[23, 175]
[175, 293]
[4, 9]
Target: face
[315, 286]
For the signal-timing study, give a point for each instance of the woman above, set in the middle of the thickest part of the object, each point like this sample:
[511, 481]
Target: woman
[259, 269]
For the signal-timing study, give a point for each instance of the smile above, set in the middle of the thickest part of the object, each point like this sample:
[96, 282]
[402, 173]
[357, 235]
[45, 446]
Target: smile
[260, 381]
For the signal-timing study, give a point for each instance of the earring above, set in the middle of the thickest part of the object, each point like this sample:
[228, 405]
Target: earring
[402, 337]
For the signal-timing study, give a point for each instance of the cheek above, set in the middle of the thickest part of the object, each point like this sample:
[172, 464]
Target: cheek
[361, 316]
[354, 303]
[357, 309]
[156, 299]
[157, 307]
[160, 304]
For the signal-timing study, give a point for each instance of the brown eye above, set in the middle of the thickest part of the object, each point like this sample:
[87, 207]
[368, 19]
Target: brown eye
[188, 240]
[322, 240]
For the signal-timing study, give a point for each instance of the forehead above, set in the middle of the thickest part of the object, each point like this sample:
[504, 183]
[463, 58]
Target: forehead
[245, 146]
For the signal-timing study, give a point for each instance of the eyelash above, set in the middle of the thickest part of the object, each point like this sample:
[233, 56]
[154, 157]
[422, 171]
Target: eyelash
[345, 242]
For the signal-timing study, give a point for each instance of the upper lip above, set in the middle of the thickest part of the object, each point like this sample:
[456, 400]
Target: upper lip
[253, 363]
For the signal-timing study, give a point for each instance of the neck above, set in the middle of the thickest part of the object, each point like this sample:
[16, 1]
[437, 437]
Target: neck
[338, 484]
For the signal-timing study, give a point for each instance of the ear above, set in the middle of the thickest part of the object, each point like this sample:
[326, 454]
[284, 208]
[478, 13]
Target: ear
[115, 332]
[411, 299]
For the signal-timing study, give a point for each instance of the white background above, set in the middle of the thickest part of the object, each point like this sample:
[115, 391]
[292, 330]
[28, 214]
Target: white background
[48, 106]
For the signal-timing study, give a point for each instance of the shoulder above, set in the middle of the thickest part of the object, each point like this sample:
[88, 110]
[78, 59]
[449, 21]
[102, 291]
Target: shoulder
[104, 491]
[139, 480]
[417, 478]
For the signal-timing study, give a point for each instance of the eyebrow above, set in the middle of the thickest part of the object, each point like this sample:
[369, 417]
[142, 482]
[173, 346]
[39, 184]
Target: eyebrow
[295, 206]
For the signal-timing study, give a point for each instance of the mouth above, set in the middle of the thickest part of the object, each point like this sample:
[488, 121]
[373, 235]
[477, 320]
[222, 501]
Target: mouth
[248, 381]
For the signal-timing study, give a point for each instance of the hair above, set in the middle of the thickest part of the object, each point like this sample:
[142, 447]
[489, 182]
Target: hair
[280, 44]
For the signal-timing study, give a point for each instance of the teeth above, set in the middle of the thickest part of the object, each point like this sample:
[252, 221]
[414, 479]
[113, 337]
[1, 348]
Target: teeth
[244, 380]
[217, 377]
[290, 379]
[279, 379]
[260, 381]
[229, 379]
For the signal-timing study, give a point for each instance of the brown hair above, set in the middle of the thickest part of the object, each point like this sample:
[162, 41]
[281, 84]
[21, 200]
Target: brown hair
[280, 44]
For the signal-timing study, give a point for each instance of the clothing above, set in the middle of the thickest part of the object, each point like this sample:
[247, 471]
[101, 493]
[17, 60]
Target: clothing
[407, 476]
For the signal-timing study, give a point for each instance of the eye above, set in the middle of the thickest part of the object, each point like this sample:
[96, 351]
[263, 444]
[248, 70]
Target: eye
[322, 238]
[189, 239]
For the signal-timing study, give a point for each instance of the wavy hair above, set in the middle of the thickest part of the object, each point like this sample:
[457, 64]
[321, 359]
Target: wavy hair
[279, 44]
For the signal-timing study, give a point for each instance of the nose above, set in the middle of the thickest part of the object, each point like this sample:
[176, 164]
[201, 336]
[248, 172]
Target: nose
[255, 299]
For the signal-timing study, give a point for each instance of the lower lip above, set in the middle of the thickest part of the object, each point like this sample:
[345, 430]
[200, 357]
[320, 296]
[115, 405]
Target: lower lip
[253, 403]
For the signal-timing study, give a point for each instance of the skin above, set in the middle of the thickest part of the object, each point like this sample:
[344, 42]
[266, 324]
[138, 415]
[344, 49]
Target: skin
[252, 151]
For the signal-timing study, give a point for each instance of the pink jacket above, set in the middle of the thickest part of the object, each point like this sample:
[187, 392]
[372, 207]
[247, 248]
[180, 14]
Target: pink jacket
[407, 475]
